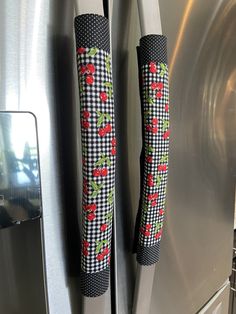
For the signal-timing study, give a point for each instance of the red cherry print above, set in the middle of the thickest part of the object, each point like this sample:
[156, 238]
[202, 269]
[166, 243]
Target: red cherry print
[154, 203]
[100, 257]
[85, 189]
[157, 236]
[83, 69]
[103, 227]
[158, 94]
[85, 252]
[152, 196]
[85, 244]
[103, 96]
[160, 85]
[166, 134]
[108, 128]
[162, 168]
[150, 176]
[105, 251]
[152, 67]
[166, 108]
[113, 142]
[113, 151]
[91, 216]
[81, 50]
[154, 121]
[91, 68]
[102, 132]
[148, 226]
[150, 183]
[147, 233]
[104, 172]
[149, 159]
[149, 128]
[109, 259]
[86, 114]
[161, 212]
[154, 86]
[96, 172]
[154, 130]
[85, 124]
[92, 207]
[89, 79]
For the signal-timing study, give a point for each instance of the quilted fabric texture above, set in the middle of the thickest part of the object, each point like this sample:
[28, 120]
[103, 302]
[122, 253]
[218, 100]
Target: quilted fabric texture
[155, 111]
[99, 149]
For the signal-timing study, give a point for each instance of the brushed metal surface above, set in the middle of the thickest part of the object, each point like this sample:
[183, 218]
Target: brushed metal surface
[37, 75]
[197, 244]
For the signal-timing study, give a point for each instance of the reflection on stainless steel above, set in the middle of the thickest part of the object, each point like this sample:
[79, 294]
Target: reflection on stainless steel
[197, 243]
[19, 169]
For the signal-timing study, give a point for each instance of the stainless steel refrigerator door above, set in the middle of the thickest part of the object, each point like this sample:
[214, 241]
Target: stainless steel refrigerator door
[197, 245]
[37, 75]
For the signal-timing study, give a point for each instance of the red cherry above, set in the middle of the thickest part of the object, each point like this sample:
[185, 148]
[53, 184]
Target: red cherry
[109, 259]
[154, 203]
[113, 151]
[91, 68]
[92, 207]
[166, 107]
[147, 233]
[161, 212]
[153, 85]
[104, 172]
[158, 94]
[89, 79]
[86, 114]
[113, 142]
[96, 172]
[105, 251]
[85, 244]
[83, 69]
[91, 216]
[162, 168]
[152, 67]
[160, 85]
[150, 176]
[152, 196]
[154, 130]
[100, 257]
[102, 132]
[148, 127]
[148, 226]
[108, 128]
[85, 124]
[103, 96]
[103, 227]
[85, 252]
[157, 236]
[150, 183]
[149, 159]
[154, 121]
[81, 50]
[166, 134]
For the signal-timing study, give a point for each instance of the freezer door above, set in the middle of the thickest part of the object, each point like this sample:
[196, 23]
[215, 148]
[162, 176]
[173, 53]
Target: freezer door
[196, 250]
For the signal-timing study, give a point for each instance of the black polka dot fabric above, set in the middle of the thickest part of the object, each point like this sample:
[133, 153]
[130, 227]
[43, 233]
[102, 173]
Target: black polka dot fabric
[92, 30]
[98, 150]
[94, 285]
[147, 256]
[153, 48]
[154, 91]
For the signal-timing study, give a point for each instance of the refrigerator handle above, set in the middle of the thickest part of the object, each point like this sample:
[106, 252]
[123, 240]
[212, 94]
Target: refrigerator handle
[154, 92]
[92, 31]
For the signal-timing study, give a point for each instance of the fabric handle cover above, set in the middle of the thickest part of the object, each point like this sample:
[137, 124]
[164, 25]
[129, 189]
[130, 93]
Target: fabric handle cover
[98, 149]
[154, 91]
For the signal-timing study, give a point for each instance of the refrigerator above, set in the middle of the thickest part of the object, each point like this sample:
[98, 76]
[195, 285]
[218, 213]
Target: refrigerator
[40, 257]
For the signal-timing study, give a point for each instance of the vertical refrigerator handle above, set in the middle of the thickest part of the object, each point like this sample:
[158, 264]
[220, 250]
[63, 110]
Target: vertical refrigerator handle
[98, 150]
[154, 92]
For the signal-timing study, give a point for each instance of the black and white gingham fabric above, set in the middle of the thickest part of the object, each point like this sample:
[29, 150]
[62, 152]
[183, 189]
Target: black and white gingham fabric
[98, 145]
[155, 111]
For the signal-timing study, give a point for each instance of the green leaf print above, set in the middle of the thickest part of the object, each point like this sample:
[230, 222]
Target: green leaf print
[164, 159]
[158, 181]
[108, 63]
[109, 216]
[163, 69]
[158, 226]
[165, 125]
[108, 84]
[100, 245]
[110, 197]
[92, 52]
